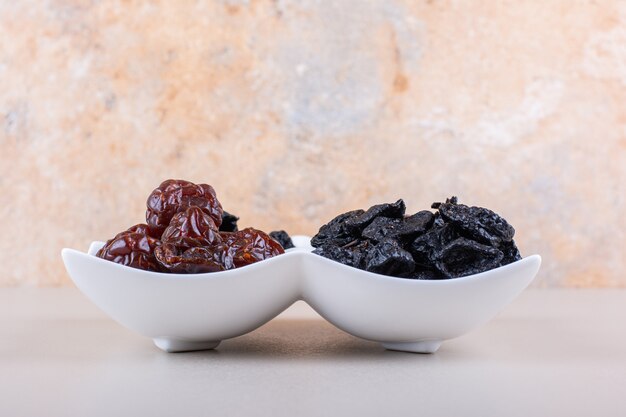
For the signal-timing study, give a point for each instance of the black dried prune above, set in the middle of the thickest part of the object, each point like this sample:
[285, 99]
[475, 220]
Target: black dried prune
[463, 257]
[283, 238]
[426, 274]
[229, 222]
[356, 224]
[195, 260]
[334, 232]
[455, 241]
[418, 223]
[191, 228]
[511, 253]
[438, 221]
[133, 247]
[423, 247]
[249, 245]
[451, 200]
[173, 196]
[388, 258]
[399, 229]
[478, 223]
[382, 227]
[352, 255]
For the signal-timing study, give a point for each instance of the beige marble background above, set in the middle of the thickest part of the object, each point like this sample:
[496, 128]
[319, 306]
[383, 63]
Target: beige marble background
[298, 110]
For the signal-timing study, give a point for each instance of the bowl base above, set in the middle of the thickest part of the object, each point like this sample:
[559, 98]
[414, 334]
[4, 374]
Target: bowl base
[176, 345]
[425, 346]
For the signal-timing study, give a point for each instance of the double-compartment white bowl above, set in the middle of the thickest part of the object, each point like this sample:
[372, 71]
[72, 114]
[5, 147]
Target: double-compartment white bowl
[195, 312]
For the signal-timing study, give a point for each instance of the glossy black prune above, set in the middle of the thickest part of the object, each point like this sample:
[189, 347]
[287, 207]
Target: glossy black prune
[455, 241]
[438, 221]
[351, 255]
[382, 227]
[334, 232]
[423, 248]
[463, 257]
[400, 229]
[418, 223]
[356, 224]
[389, 258]
[477, 223]
[229, 222]
[511, 253]
[283, 238]
[427, 274]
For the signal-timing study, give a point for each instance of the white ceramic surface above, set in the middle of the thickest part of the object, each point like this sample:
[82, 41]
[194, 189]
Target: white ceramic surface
[195, 312]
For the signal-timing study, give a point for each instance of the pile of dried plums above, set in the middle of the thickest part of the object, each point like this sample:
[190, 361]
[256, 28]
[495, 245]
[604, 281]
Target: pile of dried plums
[188, 232]
[455, 241]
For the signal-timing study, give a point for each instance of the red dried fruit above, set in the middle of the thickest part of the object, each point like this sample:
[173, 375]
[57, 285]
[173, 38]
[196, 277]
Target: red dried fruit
[173, 196]
[138, 228]
[182, 234]
[132, 247]
[195, 260]
[249, 245]
[190, 228]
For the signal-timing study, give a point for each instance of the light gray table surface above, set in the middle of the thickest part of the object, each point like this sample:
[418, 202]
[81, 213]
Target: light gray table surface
[550, 353]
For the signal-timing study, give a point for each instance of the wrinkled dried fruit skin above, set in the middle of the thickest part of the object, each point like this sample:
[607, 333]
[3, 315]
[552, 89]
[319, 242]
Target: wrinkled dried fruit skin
[194, 260]
[438, 221]
[400, 229]
[417, 223]
[455, 241]
[337, 254]
[511, 253]
[224, 254]
[388, 258]
[138, 228]
[334, 231]
[133, 248]
[183, 234]
[229, 222]
[191, 228]
[249, 245]
[478, 223]
[463, 257]
[356, 224]
[173, 196]
[351, 255]
[427, 274]
[423, 247]
[283, 238]
[382, 227]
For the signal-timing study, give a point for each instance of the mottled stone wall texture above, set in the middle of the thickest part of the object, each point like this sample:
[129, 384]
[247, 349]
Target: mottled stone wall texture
[297, 110]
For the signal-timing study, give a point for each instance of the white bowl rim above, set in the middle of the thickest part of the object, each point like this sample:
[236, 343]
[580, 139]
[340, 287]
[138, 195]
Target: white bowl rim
[304, 251]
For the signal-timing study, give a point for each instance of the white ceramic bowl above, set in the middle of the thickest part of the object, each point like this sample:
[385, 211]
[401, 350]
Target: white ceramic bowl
[194, 312]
